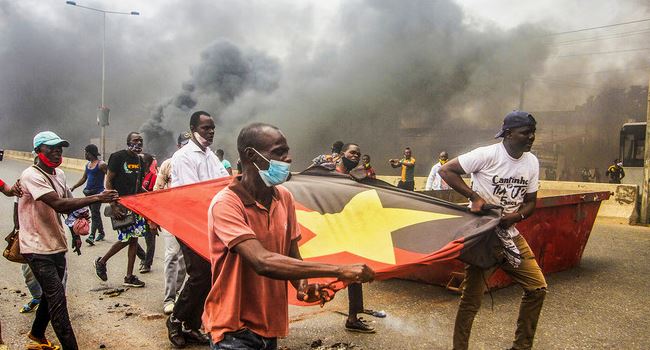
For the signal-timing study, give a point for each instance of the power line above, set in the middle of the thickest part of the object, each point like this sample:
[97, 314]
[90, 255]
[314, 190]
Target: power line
[598, 38]
[601, 71]
[601, 53]
[599, 27]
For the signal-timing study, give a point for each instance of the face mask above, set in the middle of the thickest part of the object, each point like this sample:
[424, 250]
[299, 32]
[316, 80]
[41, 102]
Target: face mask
[205, 143]
[443, 161]
[277, 173]
[135, 148]
[619, 164]
[47, 162]
[349, 164]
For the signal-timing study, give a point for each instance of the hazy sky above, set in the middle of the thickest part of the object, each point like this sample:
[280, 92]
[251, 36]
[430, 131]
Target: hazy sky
[307, 66]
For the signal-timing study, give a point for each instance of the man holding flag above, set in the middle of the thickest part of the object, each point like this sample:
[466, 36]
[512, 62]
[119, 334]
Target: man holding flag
[504, 175]
[253, 238]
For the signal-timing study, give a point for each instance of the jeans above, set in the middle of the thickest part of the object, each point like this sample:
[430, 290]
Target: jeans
[528, 275]
[31, 282]
[49, 271]
[96, 224]
[173, 266]
[244, 340]
[355, 298]
[147, 256]
[189, 306]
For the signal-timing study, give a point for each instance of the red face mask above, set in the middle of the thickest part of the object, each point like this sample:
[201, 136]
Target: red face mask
[47, 162]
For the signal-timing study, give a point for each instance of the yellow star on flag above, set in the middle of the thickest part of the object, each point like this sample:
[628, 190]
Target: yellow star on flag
[362, 228]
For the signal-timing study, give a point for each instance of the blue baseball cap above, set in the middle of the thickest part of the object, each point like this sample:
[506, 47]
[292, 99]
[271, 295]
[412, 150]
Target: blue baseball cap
[50, 139]
[516, 119]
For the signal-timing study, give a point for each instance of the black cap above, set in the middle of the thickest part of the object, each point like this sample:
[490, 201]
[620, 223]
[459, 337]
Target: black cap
[183, 138]
[92, 149]
[516, 119]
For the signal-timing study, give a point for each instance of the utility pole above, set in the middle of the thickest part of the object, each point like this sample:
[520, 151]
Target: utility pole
[103, 111]
[521, 95]
[645, 188]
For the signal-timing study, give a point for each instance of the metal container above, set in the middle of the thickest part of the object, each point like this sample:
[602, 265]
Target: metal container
[557, 233]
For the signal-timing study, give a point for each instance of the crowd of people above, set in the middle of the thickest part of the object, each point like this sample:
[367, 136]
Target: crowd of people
[238, 299]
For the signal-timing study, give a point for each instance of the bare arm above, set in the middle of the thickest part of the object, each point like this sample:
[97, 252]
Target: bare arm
[103, 167]
[408, 163]
[294, 252]
[524, 211]
[108, 181]
[451, 172]
[67, 205]
[81, 181]
[278, 266]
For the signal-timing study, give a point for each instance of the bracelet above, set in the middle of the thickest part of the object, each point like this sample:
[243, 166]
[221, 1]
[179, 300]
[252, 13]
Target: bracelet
[522, 216]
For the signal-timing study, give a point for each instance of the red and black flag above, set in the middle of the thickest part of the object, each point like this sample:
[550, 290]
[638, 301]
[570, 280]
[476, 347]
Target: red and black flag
[344, 221]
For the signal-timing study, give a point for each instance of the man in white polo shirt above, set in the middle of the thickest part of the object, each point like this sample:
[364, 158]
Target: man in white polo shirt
[193, 163]
[506, 175]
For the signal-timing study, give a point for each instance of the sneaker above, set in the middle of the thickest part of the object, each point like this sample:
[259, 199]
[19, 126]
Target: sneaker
[90, 241]
[133, 281]
[100, 269]
[30, 306]
[375, 313]
[168, 308]
[145, 268]
[359, 326]
[195, 336]
[100, 237]
[175, 332]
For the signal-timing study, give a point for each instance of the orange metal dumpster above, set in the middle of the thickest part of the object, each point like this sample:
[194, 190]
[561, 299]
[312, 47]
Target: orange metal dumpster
[557, 233]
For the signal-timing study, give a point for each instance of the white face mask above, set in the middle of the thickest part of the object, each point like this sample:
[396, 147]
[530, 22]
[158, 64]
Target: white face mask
[202, 141]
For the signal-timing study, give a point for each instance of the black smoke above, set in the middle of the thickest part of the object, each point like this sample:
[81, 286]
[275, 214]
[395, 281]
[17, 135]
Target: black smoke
[224, 72]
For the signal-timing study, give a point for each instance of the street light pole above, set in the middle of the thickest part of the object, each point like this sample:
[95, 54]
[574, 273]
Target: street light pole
[102, 108]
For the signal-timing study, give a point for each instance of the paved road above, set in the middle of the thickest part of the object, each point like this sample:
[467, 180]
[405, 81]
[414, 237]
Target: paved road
[603, 304]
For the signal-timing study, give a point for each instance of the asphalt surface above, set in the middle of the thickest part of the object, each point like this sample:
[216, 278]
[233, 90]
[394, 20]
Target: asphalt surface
[602, 304]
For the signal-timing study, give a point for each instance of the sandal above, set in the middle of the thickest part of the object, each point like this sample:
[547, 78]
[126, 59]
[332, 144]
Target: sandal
[30, 306]
[41, 344]
[378, 314]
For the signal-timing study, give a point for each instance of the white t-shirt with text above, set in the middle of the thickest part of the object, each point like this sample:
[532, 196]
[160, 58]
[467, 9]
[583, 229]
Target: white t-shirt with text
[501, 179]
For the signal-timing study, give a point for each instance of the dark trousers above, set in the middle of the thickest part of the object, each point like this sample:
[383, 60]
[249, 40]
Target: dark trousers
[96, 224]
[244, 340]
[406, 185]
[355, 298]
[147, 256]
[49, 271]
[189, 306]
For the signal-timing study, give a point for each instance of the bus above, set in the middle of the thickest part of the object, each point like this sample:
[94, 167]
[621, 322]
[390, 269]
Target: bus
[632, 151]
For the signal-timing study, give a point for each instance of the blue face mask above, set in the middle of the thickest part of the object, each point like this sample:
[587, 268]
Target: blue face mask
[277, 173]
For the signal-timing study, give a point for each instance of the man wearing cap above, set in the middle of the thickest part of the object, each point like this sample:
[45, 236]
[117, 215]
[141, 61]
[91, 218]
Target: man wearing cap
[42, 237]
[173, 265]
[504, 175]
[93, 177]
[195, 162]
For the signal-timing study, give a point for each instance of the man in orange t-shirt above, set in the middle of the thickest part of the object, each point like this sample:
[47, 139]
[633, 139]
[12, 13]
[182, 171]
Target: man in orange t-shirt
[253, 236]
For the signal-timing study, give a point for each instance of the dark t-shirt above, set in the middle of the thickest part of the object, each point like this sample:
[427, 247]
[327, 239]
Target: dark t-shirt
[127, 169]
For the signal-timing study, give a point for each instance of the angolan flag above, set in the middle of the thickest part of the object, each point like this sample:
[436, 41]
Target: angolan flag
[344, 221]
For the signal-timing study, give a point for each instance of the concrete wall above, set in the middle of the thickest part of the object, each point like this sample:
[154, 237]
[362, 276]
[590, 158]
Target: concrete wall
[69, 163]
[621, 206]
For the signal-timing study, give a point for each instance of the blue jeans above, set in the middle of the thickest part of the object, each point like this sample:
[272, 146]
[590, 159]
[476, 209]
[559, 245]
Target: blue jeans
[244, 340]
[31, 282]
